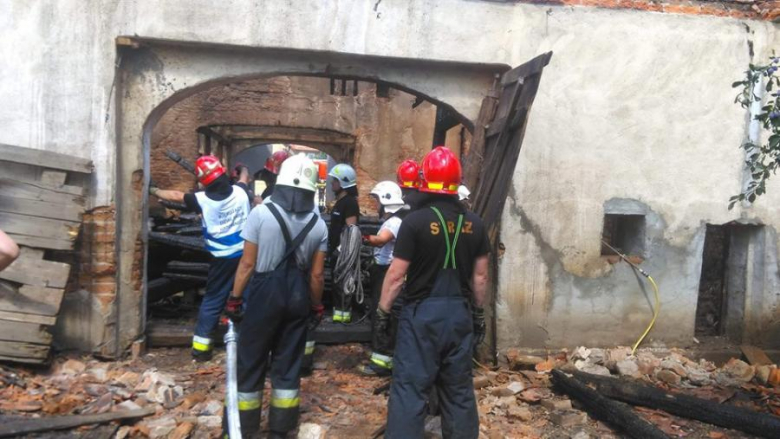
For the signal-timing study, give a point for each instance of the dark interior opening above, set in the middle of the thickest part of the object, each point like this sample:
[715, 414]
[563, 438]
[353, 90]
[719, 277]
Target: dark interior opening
[712, 285]
[624, 233]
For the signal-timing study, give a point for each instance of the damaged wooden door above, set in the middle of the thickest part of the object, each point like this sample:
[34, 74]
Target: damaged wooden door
[492, 157]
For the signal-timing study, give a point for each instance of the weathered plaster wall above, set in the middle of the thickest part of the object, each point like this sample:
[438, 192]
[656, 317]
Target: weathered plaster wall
[634, 105]
[386, 130]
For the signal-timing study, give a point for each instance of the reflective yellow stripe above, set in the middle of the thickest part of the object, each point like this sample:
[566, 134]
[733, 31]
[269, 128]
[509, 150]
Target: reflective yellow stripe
[440, 186]
[285, 398]
[309, 348]
[382, 360]
[347, 317]
[201, 343]
[338, 315]
[408, 183]
[249, 405]
[249, 400]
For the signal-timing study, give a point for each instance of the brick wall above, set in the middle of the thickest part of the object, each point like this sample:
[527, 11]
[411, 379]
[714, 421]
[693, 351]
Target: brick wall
[747, 9]
[97, 258]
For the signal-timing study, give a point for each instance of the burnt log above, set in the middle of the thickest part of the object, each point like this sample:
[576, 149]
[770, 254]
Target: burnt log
[158, 289]
[174, 205]
[185, 242]
[617, 414]
[185, 277]
[685, 406]
[188, 267]
[179, 160]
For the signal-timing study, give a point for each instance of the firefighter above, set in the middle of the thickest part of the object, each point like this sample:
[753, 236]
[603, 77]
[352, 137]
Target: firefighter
[285, 242]
[269, 173]
[390, 205]
[408, 176]
[442, 249]
[345, 212]
[224, 209]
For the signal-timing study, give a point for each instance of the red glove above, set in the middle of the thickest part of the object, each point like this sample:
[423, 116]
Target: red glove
[234, 308]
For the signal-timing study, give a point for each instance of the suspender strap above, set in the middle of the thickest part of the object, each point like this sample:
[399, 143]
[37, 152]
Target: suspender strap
[450, 246]
[292, 245]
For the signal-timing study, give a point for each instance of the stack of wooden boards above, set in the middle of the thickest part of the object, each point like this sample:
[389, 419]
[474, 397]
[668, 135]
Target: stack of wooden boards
[42, 198]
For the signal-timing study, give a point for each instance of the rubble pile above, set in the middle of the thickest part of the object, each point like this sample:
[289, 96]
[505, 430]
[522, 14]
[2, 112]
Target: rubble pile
[514, 400]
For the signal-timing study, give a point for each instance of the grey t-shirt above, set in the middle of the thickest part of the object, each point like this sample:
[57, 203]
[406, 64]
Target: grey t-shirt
[261, 228]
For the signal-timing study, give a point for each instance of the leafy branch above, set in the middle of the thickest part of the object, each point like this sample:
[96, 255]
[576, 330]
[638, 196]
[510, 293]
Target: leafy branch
[763, 160]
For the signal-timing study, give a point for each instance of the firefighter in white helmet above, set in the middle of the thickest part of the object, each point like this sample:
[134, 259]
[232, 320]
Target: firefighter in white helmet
[389, 202]
[282, 270]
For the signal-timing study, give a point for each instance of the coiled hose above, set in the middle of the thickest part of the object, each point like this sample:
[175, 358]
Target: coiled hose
[347, 273]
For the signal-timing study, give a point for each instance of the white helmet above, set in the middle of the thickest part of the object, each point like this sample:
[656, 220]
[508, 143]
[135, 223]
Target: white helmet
[389, 194]
[298, 171]
[463, 193]
[344, 174]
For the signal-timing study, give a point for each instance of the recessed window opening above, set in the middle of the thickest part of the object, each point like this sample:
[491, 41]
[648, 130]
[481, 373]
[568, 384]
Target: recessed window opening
[625, 233]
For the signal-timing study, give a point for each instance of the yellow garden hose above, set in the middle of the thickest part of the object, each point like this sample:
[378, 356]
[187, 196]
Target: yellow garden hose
[655, 290]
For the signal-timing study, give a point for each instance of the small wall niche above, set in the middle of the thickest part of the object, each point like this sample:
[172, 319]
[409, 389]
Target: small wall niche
[624, 232]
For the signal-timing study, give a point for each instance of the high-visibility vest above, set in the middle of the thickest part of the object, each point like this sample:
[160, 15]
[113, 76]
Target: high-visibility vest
[223, 222]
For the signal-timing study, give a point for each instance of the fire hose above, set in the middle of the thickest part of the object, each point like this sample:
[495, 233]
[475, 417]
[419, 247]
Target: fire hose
[655, 289]
[231, 386]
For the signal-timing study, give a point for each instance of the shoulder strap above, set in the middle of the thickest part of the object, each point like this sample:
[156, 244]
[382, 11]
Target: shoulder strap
[295, 243]
[450, 246]
[282, 224]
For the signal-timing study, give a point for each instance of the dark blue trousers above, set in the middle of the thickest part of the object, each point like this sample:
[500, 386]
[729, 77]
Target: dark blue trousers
[222, 271]
[433, 349]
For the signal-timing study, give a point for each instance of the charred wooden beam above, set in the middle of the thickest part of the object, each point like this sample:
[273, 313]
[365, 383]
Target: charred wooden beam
[185, 242]
[189, 267]
[185, 277]
[37, 425]
[615, 413]
[686, 406]
[158, 289]
[174, 205]
[181, 161]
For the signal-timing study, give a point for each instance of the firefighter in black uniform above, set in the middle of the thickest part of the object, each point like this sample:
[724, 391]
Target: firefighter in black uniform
[442, 249]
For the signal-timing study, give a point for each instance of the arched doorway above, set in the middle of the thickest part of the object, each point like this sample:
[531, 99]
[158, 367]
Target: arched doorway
[157, 75]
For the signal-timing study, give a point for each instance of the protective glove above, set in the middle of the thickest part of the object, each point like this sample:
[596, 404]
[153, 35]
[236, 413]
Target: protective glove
[315, 316]
[478, 316]
[153, 190]
[237, 170]
[234, 309]
[382, 330]
[366, 240]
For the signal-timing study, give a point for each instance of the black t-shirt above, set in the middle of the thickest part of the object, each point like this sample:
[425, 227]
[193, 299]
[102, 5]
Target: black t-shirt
[217, 192]
[344, 208]
[421, 242]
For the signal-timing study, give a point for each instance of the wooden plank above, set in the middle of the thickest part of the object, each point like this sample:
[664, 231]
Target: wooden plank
[36, 425]
[40, 227]
[43, 209]
[23, 360]
[49, 243]
[46, 159]
[53, 178]
[29, 318]
[32, 270]
[19, 350]
[38, 191]
[756, 356]
[24, 332]
[30, 300]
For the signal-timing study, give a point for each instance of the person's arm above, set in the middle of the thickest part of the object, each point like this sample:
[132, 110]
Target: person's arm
[479, 280]
[167, 195]
[245, 268]
[394, 281]
[380, 239]
[317, 278]
[243, 176]
[9, 251]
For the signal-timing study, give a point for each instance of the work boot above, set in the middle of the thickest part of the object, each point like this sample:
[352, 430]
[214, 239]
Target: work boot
[374, 370]
[202, 356]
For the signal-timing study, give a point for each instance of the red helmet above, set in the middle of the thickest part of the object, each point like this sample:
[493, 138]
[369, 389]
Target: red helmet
[208, 168]
[441, 172]
[274, 163]
[408, 174]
